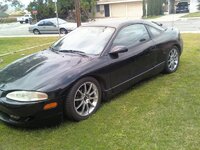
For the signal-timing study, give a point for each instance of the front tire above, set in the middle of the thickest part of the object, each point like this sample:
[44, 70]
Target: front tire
[36, 31]
[172, 60]
[83, 99]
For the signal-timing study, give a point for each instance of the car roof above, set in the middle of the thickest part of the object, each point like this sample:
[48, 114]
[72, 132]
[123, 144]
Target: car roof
[51, 19]
[116, 23]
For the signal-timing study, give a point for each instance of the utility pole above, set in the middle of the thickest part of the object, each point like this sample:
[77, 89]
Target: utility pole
[56, 8]
[78, 12]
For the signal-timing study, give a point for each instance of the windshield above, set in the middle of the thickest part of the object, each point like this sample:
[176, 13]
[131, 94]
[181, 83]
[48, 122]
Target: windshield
[89, 40]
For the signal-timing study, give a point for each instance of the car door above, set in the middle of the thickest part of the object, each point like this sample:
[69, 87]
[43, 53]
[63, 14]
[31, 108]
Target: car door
[50, 27]
[40, 26]
[139, 58]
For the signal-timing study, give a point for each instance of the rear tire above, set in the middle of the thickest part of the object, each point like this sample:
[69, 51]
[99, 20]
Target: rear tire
[83, 99]
[63, 31]
[26, 21]
[172, 60]
[21, 22]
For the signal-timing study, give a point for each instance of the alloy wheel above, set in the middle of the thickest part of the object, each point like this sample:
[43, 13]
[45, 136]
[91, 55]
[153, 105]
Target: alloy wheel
[173, 59]
[86, 99]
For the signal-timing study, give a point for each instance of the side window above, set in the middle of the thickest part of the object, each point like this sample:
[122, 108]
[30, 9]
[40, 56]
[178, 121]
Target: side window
[155, 32]
[41, 23]
[48, 23]
[131, 35]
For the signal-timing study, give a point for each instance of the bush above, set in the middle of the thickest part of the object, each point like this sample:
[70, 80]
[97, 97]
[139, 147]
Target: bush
[7, 20]
[2, 15]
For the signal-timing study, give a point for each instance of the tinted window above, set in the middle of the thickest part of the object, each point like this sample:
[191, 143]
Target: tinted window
[155, 32]
[41, 23]
[48, 23]
[131, 35]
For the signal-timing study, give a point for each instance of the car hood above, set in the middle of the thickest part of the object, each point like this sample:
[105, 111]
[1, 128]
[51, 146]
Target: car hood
[37, 70]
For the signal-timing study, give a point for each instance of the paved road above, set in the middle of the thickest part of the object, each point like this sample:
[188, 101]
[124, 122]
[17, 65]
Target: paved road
[17, 29]
[14, 29]
[191, 25]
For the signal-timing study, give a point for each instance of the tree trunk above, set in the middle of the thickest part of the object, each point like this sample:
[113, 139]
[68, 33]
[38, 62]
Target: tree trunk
[171, 6]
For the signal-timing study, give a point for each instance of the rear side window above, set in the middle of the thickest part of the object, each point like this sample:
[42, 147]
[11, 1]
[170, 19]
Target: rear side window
[48, 23]
[154, 32]
[131, 35]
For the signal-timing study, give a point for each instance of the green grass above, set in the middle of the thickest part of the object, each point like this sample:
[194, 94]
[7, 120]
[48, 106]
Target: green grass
[160, 113]
[9, 45]
[196, 14]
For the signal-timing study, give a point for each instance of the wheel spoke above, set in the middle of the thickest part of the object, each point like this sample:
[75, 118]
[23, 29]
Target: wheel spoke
[89, 88]
[87, 108]
[79, 105]
[82, 111]
[89, 102]
[81, 93]
[85, 89]
[78, 99]
[92, 92]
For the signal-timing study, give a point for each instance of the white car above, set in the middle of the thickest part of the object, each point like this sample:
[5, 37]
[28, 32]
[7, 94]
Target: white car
[51, 26]
[26, 18]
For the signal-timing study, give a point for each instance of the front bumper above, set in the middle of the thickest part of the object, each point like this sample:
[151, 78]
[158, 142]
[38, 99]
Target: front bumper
[29, 114]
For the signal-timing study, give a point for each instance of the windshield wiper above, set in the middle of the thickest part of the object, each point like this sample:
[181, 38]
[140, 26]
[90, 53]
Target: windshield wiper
[74, 51]
[53, 49]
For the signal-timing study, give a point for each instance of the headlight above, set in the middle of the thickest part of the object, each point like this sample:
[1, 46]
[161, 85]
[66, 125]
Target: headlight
[27, 96]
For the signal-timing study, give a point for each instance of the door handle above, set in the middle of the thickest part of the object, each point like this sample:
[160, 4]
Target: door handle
[142, 40]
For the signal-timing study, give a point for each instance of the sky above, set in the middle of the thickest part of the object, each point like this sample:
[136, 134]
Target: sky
[25, 2]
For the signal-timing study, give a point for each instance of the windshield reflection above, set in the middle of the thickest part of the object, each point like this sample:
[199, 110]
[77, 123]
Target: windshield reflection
[89, 40]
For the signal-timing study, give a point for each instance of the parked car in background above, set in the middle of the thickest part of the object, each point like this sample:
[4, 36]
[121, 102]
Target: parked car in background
[26, 18]
[182, 7]
[51, 26]
[77, 72]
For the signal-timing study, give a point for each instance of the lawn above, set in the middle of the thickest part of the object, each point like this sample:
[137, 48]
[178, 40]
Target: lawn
[11, 45]
[196, 14]
[160, 113]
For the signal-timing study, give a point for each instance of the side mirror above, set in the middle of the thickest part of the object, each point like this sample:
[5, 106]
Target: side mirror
[118, 49]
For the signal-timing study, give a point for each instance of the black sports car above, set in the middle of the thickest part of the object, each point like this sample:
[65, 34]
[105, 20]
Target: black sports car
[86, 66]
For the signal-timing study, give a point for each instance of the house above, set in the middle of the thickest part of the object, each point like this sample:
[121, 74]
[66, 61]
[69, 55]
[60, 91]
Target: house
[119, 8]
[193, 5]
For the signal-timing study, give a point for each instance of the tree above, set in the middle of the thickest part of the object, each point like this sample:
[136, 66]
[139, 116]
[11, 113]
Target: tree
[4, 4]
[45, 9]
[87, 7]
[154, 7]
[171, 6]
[144, 8]
[199, 5]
